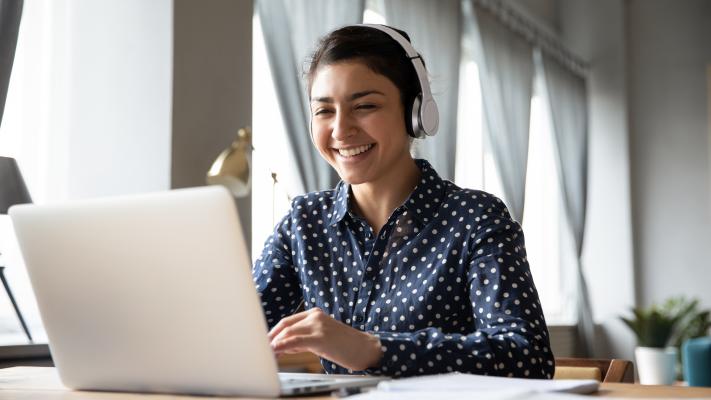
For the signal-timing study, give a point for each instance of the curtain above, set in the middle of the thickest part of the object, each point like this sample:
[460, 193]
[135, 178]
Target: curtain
[505, 62]
[567, 95]
[435, 30]
[291, 30]
[10, 14]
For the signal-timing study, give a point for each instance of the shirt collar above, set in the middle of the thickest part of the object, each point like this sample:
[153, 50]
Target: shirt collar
[340, 207]
[423, 202]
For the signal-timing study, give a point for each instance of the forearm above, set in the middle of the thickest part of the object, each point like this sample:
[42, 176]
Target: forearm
[315, 331]
[429, 351]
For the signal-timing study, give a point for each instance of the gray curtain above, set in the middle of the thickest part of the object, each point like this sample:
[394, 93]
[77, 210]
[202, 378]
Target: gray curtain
[567, 95]
[291, 30]
[505, 62]
[10, 14]
[435, 30]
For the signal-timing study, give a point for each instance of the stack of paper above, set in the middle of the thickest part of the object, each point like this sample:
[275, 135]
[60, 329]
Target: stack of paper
[466, 386]
[457, 381]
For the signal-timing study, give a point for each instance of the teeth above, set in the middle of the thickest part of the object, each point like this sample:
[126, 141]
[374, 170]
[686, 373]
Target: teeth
[354, 150]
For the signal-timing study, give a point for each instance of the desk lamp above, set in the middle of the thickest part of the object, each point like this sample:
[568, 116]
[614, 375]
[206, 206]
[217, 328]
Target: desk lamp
[12, 191]
[232, 167]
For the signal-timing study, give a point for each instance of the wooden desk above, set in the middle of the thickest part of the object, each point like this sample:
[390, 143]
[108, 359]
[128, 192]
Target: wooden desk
[23, 383]
[649, 391]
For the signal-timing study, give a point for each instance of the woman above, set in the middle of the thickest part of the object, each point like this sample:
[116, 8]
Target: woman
[400, 272]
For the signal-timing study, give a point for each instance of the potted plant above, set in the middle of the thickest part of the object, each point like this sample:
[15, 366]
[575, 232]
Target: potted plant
[654, 328]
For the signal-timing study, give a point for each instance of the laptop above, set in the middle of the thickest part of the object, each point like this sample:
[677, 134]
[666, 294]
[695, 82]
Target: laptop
[154, 293]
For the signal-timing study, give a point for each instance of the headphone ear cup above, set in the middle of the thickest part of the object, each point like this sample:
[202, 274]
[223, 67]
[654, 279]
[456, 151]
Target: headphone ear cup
[415, 123]
[409, 112]
[429, 118]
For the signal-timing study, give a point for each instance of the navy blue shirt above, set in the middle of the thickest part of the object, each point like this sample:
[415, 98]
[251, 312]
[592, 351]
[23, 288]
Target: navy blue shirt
[445, 285]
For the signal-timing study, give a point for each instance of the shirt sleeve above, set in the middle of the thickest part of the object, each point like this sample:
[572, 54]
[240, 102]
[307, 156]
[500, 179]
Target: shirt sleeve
[509, 336]
[275, 275]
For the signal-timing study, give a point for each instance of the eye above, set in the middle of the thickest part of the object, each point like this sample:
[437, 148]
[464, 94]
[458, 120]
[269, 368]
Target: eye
[365, 106]
[322, 111]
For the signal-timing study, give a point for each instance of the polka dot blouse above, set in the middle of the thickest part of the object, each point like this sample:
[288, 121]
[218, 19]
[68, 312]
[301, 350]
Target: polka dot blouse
[445, 285]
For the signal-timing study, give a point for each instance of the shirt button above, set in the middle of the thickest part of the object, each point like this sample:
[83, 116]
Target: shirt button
[358, 318]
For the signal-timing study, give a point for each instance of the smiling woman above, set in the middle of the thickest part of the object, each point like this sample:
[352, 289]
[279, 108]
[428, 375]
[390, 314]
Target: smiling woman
[400, 272]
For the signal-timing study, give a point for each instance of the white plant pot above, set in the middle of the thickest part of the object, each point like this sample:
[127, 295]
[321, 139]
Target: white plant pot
[656, 366]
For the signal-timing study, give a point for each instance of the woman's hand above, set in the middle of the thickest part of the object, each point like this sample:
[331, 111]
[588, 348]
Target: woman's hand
[315, 331]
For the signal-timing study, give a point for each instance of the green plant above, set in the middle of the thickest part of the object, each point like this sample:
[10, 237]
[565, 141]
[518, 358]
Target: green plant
[677, 320]
[653, 326]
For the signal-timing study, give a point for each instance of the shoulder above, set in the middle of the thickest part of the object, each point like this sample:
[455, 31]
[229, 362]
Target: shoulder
[478, 204]
[311, 205]
[307, 211]
[313, 200]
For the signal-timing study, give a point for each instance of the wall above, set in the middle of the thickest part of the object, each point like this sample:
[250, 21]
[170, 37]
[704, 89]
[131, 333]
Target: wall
[669, 51]
[212, 87]
[544, 12]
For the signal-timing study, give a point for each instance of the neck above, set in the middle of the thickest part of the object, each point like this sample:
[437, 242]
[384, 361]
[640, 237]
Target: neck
[376, 200]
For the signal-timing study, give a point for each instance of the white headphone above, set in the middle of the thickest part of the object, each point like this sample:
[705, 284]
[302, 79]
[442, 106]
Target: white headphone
[425, 114]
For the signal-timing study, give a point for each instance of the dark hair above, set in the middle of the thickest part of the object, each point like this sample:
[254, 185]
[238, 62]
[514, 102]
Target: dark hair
[374, 48]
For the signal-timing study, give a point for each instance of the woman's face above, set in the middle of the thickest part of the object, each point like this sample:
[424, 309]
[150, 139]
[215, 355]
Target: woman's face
[357, 122]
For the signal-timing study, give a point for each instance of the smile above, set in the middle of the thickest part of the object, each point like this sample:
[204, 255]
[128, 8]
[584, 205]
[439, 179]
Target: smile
[354, 151]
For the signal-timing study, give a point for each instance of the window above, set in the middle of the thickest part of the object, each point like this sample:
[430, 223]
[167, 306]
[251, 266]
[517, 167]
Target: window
[543, 218]
[24, 136]
[81, 118]
[269, 139]
[542, 222]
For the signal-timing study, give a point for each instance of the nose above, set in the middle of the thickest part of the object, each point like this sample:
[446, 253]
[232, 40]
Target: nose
[343, 126]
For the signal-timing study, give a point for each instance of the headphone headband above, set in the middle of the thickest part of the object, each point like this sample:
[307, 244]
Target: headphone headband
[425, 115]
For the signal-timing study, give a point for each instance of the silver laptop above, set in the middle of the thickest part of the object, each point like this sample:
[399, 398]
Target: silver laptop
[154, 293]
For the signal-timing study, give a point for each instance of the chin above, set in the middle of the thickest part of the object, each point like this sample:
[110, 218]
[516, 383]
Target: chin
[353, 179]
[351, 176]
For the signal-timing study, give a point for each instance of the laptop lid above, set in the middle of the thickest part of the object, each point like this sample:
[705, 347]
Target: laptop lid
[148, 293]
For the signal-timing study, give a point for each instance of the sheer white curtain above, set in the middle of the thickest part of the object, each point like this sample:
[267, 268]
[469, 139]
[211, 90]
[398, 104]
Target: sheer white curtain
[506, 70]
[88, 109]
[435, 30]
[567, 95]
[291, 29]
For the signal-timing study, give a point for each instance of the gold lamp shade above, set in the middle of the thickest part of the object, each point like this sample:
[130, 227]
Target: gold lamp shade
[232, 167]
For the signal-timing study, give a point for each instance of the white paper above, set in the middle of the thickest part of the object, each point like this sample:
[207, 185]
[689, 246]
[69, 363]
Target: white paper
[468, 382]
[466, 395]
[441, 395]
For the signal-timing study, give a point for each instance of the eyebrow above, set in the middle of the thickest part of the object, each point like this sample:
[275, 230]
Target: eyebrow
[352, 97]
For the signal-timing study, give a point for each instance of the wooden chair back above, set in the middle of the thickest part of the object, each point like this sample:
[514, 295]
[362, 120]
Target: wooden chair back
[300, 362]
[603, 370]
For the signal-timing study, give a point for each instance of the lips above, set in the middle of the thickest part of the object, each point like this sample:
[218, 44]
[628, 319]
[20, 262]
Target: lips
[354, 151]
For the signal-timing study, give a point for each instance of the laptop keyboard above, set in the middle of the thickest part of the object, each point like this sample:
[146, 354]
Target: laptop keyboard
[303, 380]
